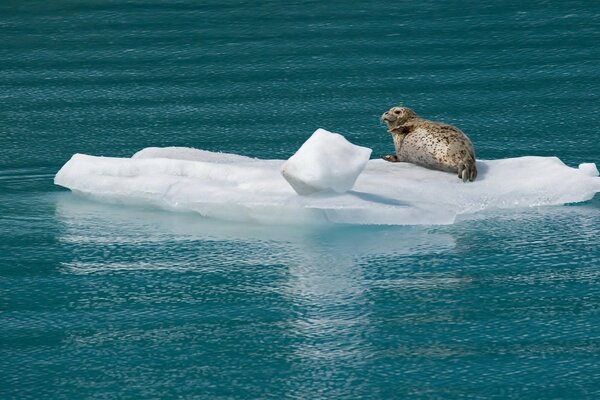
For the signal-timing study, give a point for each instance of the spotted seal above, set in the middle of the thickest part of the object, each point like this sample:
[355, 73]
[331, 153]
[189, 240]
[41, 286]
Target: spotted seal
[430, 144]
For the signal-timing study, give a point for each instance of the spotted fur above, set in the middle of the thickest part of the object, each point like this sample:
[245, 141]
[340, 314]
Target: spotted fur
[430, 144]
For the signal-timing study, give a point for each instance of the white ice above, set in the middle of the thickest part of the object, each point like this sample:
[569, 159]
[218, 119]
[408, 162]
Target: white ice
[232, 187]
[326, 161]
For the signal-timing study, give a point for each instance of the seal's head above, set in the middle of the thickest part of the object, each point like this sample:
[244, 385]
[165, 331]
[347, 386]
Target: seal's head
[397, 116]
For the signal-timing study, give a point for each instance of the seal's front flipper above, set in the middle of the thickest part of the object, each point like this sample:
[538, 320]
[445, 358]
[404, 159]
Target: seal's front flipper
[390, 158]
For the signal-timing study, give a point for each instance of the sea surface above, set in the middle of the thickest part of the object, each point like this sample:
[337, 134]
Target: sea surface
[104, 301]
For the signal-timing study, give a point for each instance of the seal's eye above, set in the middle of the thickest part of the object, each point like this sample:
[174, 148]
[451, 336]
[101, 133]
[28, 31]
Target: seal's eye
[396, 111]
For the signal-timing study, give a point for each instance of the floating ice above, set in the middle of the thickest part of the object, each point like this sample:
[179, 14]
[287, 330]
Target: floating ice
[589, 169]
[326, 161]
[232, 187]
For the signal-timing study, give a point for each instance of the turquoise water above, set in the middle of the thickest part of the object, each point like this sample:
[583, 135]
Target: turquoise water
[105, 301]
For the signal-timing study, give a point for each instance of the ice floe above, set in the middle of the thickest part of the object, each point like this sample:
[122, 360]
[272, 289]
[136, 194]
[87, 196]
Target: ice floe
[238, 188]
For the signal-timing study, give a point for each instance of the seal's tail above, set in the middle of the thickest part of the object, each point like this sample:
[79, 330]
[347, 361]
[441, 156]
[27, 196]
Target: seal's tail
[467, 171]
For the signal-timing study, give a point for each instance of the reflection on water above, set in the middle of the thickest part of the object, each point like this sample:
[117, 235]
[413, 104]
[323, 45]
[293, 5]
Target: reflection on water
[323, 283]
[88, 224]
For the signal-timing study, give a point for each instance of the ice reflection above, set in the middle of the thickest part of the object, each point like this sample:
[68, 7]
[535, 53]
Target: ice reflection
[87, 223]
[324, 287]
[331, 326]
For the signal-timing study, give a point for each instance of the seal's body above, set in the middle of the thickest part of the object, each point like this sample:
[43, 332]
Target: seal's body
[430, 144]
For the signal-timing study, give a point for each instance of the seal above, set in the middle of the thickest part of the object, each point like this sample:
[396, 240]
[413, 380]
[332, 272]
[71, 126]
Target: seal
[429, 144]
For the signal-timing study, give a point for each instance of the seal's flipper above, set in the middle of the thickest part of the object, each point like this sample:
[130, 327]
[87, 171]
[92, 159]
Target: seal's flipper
[467, 171]
[390, 158]
[473, 174]
[461, 169]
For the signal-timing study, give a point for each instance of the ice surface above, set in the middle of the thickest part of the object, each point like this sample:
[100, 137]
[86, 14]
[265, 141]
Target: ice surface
[231, 187]
[326, 161]
[191, 154]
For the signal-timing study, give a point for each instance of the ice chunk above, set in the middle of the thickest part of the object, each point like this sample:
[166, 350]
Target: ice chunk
[589, 169]
[326, 161]
[215, 186]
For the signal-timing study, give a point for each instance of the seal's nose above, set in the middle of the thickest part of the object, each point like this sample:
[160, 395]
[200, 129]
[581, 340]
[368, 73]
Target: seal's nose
[386, 116]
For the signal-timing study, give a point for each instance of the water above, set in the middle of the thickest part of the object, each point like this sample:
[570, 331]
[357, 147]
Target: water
[105, 301]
